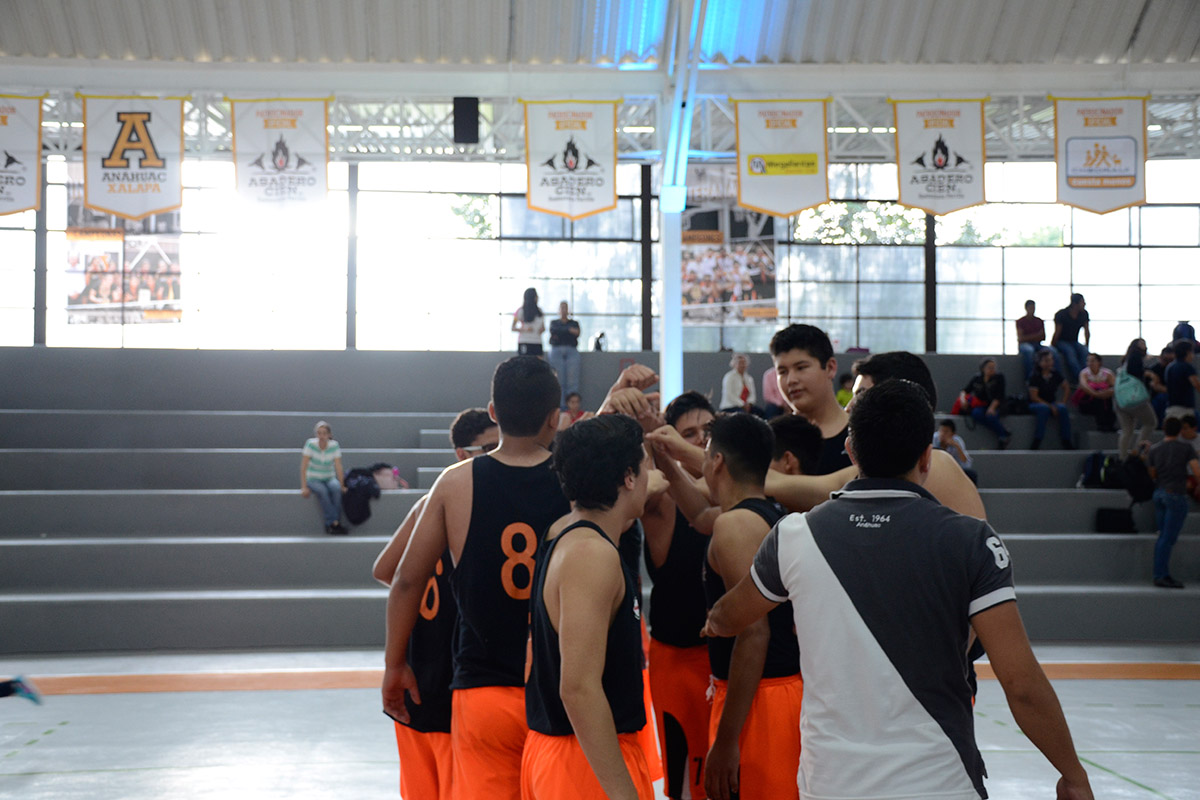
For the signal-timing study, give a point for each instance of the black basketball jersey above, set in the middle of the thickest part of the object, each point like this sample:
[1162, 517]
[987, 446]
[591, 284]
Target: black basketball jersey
[622, 677]
[431, 652]
[677, 610]
[493, 577]
[833, 453]
[783, 652]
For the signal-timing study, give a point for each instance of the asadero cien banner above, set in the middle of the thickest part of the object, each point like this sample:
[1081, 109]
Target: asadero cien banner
[571, 156]
[281, 149]
[21, 146]
[940, 153]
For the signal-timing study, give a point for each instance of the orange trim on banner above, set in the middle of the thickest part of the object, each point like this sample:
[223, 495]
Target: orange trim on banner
[37, 191]
[1058, 163]
[737, 133]
[529, 164]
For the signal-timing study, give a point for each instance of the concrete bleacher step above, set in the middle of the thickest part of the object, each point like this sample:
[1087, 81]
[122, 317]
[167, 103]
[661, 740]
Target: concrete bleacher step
[1111, 612]
[1022, 427]
[1016, 469]
[1096, 558]
[1048, 510]
[183, 468]
[206, 429]
[179, 563]
[184, 512]
[434, 437]
[311, 617]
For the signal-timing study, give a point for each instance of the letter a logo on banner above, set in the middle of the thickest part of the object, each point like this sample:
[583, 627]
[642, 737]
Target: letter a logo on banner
[21, 151]
[281, 149]
[571, 156]
[940, 153]
[132, 155]
[782, 155]
[1100, 147]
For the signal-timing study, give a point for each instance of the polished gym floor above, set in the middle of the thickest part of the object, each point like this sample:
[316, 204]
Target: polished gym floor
[308, 725]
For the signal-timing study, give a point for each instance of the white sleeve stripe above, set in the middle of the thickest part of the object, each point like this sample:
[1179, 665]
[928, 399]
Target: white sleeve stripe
[1001, 595]
[774, 598]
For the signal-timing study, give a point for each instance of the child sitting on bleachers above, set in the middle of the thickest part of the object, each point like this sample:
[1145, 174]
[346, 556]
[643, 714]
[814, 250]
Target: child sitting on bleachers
[946, 438]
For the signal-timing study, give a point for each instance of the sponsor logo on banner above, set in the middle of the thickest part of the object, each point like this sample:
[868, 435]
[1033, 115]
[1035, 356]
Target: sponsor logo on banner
[1100, 146]
[781, 155]
[939, 149]
[133, 151]
[281, 149]
[20, 153]
[571, 154]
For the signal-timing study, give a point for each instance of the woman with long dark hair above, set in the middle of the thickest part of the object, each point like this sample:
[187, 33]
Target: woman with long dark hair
[529, 325]
[1133, 408]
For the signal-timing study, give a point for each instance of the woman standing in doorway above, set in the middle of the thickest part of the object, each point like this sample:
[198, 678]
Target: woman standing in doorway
[529, 324]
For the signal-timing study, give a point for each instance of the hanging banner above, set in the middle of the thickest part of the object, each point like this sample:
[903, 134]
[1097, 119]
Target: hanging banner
[281, 149]
[21, 143]
[571, 156]
[132, 154]
[940, 153]
[1100, 147]
[782, 155]
[727, 257]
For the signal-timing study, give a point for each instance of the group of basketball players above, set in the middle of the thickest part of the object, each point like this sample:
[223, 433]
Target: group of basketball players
[514, 658]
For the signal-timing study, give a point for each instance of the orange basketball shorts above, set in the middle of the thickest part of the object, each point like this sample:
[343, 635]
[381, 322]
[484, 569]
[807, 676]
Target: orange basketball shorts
[555, 768]
[679, 679]
[487, 733]
[770, 740]
[426, 766]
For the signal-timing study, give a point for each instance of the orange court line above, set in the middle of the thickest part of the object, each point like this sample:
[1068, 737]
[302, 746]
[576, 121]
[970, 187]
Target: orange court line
[297, 680]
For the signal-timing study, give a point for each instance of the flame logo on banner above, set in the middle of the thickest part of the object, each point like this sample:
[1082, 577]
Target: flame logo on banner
[570, 159]
[281, 156]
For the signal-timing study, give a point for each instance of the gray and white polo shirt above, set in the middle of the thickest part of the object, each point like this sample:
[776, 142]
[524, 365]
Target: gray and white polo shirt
[883, 581]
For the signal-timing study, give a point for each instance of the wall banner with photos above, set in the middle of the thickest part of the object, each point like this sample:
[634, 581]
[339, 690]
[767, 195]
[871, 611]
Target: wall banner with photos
[728, 253]
[1100, 149]
[281, 149]
[571, 156]
[21, 143]
[132, 155]
[782, 155]
[940, 153]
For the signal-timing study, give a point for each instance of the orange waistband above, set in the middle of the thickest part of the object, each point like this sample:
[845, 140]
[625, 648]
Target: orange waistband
[765, 682]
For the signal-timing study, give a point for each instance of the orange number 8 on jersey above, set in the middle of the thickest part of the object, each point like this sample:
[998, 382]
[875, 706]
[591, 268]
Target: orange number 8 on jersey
[522, 558]
[431, 600]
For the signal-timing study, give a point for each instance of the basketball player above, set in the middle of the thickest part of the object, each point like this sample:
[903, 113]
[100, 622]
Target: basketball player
[806, 368]
[885, 585]
[487, 512]
[755, 728]
[679, 669]
[426, 765]
[584, 699]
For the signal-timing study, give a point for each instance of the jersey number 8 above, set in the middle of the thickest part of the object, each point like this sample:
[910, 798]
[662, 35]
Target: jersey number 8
[517, 558]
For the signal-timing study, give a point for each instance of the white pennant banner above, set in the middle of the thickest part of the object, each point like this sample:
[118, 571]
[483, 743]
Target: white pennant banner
[571, 156]
[782, 155]
[132, 155]
[21, 142]
[1100, 147]
[281, 149]
[940, 153]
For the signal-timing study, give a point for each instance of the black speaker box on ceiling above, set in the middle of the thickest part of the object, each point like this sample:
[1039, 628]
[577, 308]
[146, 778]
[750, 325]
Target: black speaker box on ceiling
[466, 120]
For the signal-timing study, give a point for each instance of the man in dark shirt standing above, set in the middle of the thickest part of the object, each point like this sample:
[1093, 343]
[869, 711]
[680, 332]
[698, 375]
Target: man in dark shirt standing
[1180, 378]
[564, 352]
[1067, 324]
[1169, 461]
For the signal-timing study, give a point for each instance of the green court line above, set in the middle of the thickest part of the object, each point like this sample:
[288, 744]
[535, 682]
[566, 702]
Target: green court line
[1125, 778]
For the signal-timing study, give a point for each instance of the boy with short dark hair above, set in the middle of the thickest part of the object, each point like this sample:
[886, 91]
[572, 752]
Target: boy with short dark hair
[584, 701]
[805, 366]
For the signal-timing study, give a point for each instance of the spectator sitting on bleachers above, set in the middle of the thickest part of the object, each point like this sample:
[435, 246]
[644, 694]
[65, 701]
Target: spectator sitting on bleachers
[1095, 393]
[773, 402]
[845, 389]
[737, 388]
[1141, 416]
[1180, 378]
[1048, 398]
[1031, 332]
[1187, 433]
[321, 474]
[1068, 322]
[946, 438]
[1156, 381]
[982, 397]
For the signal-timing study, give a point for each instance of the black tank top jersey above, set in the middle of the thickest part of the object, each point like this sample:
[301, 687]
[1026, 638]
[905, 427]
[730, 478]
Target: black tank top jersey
[833, 453]
[622, 677]
[783, 651]
[494, 575]
[431, 652]
[677, 609]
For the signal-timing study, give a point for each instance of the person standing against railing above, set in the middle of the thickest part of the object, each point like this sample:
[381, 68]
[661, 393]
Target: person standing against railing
[564, 352]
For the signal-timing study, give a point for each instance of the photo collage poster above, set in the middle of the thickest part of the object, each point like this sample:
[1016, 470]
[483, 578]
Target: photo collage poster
[728, 253]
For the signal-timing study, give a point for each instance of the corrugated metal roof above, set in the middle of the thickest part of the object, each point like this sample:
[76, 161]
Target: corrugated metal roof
[601, 32]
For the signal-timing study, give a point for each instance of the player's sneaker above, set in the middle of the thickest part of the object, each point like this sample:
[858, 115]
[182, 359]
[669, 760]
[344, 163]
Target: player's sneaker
[23, 687]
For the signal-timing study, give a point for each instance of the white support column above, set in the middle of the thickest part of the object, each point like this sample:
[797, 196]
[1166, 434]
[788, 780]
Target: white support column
[670, 357]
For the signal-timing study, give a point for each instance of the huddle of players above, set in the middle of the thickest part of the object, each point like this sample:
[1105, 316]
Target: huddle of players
[568, 727]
